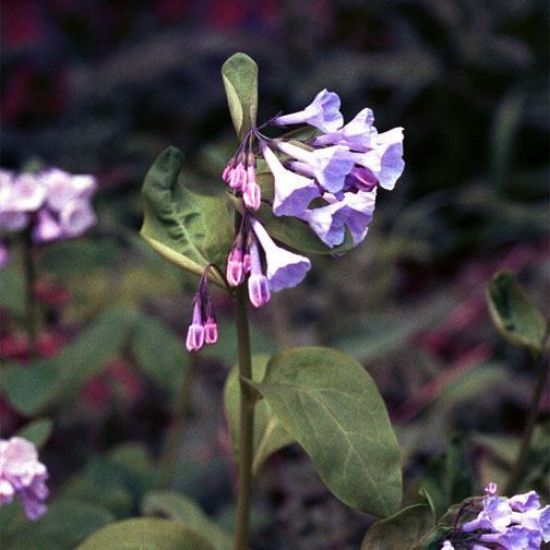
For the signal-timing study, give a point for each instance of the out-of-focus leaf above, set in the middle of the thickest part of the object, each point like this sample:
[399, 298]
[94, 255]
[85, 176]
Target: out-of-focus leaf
[186, 512]
[32, 387]
[434, 539]
[77, 256]
[329, 403]
[189, 229]
[159, 353]
[402, 530]
[12, 290]
[514, 314]
[38, 431]
[240, 80]
[269, 435]
[150, 533]
[459, 477]
[66, 523]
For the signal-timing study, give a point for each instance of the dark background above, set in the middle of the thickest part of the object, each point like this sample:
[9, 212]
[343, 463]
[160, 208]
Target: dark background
[102, 87]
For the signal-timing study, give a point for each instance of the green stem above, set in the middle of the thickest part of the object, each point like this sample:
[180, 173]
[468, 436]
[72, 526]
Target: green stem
[31, 312]
[170, 454]
[246, 422]
[519, 465]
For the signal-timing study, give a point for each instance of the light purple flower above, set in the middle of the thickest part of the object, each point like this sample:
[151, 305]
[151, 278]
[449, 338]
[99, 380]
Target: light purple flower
[64, 188]
[536, 520]
[323, 113]
[22, 475]
[293, 192]
[525, 502]
[76, 218]
[357, 134]
[514, 538]
[18, 198]
[258, 286]
[195, 332]
[329, 165]
[447, 545]
[284, 268]
[495, 516]
[46, 228]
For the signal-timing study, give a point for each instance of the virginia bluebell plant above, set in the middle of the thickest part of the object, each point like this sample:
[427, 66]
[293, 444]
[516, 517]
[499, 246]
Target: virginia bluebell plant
[328, 181]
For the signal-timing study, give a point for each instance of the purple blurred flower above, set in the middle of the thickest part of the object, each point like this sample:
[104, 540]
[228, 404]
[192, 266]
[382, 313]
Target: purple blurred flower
[76, 218]
[357, 134]
[329, 165]
[64, 189]
[514, 538]
[323, 113]
[46, 227]
[4, 255]
[18, 198]
[447, 545]
[284, 268]
[22, 475]
[293, 192]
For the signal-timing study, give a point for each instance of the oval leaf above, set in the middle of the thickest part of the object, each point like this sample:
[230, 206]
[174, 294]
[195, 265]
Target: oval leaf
[269, 434]
[37, 431]
[329, 403]
[516, 317]
[152, 534]
[186, 512]
[187, 228]
[240, 80]
[402, 530]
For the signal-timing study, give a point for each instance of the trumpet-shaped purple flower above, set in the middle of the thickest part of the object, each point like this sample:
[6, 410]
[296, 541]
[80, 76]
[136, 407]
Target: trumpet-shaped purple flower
[514, 538]
[23, 475]
[357, 134]
[525, 502]
[284, 268]
[535, 519]
[293, 192]
[329, 165]
[495, 516]
[259, 290]
[323, 113]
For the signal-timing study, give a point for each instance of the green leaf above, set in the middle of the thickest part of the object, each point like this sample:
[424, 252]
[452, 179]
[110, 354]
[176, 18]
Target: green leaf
[33, 387]
[37, 431]
[12, 289]
[186, 512]
[64, 526]
[240, 80]
[145, 534]
[269, 435]
[292, 232]
[329, 403]
[402, 530]
[434, 538]
[186, 228]
[159, 353]
[516, 317]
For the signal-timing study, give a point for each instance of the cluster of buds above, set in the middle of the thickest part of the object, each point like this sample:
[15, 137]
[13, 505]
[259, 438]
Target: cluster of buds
[203, 328]
[53, 204]
[515, 523]
[240, 176]
[23, 475]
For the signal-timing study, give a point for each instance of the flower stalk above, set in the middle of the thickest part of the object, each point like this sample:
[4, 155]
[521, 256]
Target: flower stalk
[31, 311]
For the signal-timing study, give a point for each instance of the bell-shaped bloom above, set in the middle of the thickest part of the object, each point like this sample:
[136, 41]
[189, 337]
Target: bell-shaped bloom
[323, 113]
[23, 475]
[536, 519]
[525, 502]
[76, 218]
[390, 145]
[195, 332]
[293, 192]
[360, 178]
[47, 227]
[259, 290]
[354, 211]
[514, 538]
[329, 165]
[284, 268]
[357, 134]
[496, 515]
[210, 331]
[64, 188]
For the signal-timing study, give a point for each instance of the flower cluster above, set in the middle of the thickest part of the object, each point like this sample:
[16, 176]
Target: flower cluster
[52, 203]
[327, 181]
[21, 474]
[515, 523]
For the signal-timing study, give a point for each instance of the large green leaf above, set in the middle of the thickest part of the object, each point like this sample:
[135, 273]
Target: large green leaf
[186, 512]
[402, 530]
[38, 431]
[65, 525]
[149, 534]
[328, 402]
[269, 434]
[240, 79]
[33, 387]
[514, 314]
[188, 228]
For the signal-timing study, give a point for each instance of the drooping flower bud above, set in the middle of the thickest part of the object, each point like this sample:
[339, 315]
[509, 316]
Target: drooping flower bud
[258, 286]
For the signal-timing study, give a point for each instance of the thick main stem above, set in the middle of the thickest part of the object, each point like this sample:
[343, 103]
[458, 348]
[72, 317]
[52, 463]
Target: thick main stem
[30, 281]
[246, 422]
[519, 465]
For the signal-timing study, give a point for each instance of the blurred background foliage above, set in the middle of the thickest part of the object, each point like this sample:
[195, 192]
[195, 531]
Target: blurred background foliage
[102, 87]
